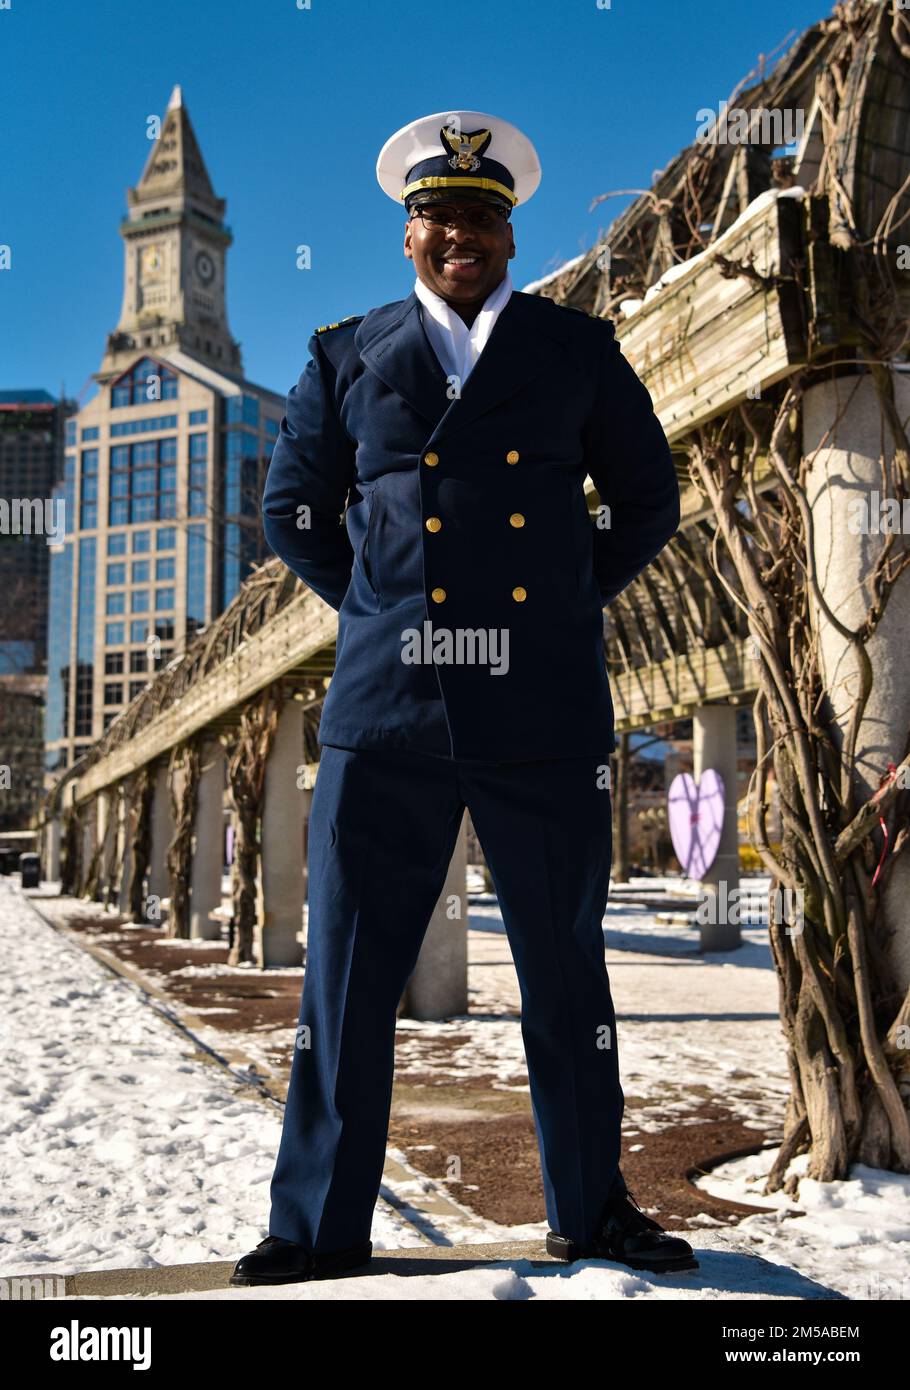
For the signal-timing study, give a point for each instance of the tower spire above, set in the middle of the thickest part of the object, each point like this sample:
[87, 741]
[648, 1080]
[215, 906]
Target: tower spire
[175, 252]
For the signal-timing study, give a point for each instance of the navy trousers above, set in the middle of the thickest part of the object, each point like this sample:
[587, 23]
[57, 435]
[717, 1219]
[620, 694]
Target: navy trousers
[383, 827]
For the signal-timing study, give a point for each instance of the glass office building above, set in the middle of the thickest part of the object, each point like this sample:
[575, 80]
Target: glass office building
[164, 468]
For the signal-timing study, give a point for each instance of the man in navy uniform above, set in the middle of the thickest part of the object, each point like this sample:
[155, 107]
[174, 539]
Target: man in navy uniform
[428, 484]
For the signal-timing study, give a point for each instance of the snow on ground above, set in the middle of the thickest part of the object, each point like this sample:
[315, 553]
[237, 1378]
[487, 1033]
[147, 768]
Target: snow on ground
[121, 1146]
[853, 1235]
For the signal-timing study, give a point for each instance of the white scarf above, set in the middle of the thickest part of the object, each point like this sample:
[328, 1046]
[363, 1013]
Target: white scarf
[456, 345]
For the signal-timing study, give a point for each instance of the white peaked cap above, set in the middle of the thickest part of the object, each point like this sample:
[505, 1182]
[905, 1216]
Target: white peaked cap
[459, 150]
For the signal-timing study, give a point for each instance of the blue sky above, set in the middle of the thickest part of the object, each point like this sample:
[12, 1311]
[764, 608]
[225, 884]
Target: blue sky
[291, 108]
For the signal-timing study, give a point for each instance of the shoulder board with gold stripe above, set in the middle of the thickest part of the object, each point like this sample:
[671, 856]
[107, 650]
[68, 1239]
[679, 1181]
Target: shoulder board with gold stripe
[351, 318]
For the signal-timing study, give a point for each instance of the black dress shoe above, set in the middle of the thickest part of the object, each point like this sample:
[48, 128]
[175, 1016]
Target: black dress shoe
[279, 1261]
[625, 1234]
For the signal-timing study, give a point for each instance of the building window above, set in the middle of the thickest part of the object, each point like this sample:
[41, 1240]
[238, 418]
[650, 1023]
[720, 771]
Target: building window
[116, 543]
[164, 629]
[138, 632]
[272, 428]
[136, 688]
[90, 432]
[113, 693]
[195, 578]
[196, 493]
[160, 422]
[144, 481]
[88, 515]
[70, 431]
[142, 541]
[58, 640]
[113, 663]
[242, 410]
[199, 446]
[116, 602]
[139, 600]
[141, 571]
[146, 381]
[116, 573]
[166, 538]
[199, 417]
[165, 567]
[164, 598]
[113, 634]
[139, 661]
[85, 637]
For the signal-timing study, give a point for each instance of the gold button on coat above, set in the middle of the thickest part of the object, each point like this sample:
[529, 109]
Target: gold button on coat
[431, 460]
[433, 523]
[512, 456]
[519, 594]
[516, 519]
[437, 595]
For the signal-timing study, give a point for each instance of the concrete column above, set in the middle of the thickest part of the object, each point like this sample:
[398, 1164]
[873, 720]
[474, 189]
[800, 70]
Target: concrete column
[124, 852]
[52, 838]
[855, 513]
[438, 987]
[714, 746]
[89, 821]
[159, 882]
[208, 845]
[280, 927]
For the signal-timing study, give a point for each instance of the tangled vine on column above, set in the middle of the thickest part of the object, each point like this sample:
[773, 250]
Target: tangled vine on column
[247, 759]
[842, 1014]
[139, 828]
[90, 887]
[71, 853]
[184, 799]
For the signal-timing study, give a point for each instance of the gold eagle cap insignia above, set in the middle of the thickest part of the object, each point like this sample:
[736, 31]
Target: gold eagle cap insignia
[466, 148]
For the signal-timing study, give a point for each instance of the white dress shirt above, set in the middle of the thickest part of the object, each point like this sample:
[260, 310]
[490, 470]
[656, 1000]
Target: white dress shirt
[456, 345]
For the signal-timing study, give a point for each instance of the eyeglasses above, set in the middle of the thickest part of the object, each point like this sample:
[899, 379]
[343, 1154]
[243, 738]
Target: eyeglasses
[480, 215]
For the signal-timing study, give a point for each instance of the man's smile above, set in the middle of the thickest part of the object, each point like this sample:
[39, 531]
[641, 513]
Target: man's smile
[464, 266]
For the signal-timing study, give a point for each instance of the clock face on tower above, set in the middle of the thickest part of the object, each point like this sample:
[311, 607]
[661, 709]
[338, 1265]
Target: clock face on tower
[205, 267]
[151, 259]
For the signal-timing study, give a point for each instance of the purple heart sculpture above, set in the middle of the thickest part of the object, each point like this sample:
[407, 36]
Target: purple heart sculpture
[696, 816]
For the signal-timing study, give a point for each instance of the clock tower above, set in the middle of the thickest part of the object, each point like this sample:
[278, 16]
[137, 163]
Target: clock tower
[175, 255]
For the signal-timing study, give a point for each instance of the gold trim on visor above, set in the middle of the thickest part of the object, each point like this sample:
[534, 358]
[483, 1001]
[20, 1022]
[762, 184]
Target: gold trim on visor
[443, 181]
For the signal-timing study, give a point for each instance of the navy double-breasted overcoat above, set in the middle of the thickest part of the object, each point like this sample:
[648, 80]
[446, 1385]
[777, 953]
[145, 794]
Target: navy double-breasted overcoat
[453, 526]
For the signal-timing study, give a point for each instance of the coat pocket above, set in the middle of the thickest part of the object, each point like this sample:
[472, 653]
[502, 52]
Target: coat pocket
[370, 542]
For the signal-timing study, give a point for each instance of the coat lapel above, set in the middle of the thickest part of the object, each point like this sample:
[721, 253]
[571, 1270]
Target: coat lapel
[518, 350]
[400, 354]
